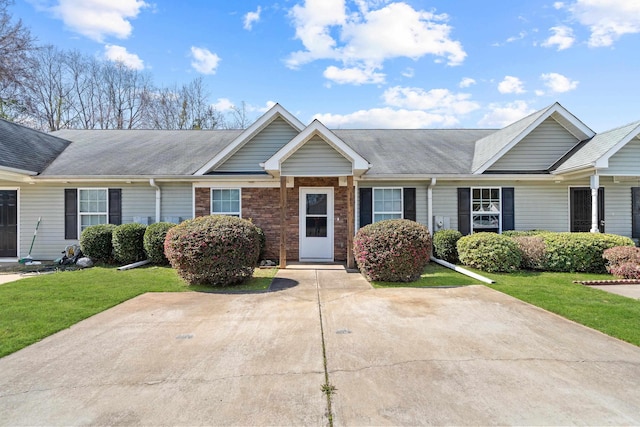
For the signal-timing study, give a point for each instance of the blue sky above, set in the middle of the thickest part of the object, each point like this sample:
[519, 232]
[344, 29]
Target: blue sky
[372, 63]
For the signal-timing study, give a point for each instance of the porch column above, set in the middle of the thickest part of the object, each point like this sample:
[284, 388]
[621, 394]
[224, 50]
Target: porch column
[283, 222]
[595, 185]
[350, 222]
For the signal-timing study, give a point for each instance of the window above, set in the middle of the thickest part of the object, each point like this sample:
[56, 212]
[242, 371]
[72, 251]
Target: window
[92, 207]
[387, 203]
[225, 201]
[485, 210]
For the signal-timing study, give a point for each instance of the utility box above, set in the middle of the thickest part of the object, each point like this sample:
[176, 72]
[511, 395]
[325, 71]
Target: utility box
[441, 223]
[173, 219]
[146, 220]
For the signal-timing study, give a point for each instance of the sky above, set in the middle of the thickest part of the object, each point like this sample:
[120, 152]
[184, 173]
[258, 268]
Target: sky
[371, 63]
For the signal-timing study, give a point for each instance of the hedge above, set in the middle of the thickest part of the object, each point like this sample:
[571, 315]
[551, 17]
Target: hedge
[128, 246]
[489, 252]
[96, 242]
[154, 242]
[444, 245]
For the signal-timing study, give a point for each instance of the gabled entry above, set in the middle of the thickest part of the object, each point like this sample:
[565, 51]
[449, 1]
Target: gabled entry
[316, 224]
[580, 207]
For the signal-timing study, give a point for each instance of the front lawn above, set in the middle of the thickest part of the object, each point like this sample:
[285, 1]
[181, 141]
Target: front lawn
[433, 275]
[36, 307]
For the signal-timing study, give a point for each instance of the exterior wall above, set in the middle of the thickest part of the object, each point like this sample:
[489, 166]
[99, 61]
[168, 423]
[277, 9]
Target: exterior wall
[545, 145]
[177, 200]
[262, 206]
[316, 157]
[421, 197]
[260, 148]
[626, 161]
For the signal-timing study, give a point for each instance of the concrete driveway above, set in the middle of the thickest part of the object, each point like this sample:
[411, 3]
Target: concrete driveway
[395, 357]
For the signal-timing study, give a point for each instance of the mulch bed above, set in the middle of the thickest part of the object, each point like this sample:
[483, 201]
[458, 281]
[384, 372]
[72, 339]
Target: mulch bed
[608, 282]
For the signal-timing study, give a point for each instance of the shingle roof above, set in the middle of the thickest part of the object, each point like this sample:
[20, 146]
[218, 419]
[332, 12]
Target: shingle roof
[27, 149]
[487, 147]
[415, 151]
[597, 147]
[137, 152]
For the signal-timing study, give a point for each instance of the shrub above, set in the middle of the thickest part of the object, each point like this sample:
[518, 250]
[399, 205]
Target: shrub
[518, 233]
[394, 250]
[444, 245]
[621, 255]
[263, 243]
[627, 270]
[213, 250]
[532, 250]
[128, 245]
[489, 252]
[582, 252]
[153, 242]
[95, 242]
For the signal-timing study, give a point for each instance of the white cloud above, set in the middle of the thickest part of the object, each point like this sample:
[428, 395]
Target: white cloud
[355, 75]
[386, 118]
[252, 17]
[558, 5]
[558, 83]
[440, 101]
[223, 105]
[511, 84]
[120, 54]
[204, 61]
[98, 19]
[466, 82]
[562, 37]
[501, 115]
[367, 37]
[607, 20]
[408, 72]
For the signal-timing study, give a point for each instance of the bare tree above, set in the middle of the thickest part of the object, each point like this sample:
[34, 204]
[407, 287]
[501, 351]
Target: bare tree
[239, 117]
[15, 44]
[127, 93]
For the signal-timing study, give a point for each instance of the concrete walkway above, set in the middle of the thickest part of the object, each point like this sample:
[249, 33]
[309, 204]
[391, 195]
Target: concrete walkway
[392, 356]
[9, 277]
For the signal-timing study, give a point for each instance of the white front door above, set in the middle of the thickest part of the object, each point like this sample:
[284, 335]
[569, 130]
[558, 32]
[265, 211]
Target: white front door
[316, 224]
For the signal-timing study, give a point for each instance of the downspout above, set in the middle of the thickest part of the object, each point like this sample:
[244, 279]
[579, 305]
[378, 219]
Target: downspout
[595, 185]
[430, 204]
[152, 182]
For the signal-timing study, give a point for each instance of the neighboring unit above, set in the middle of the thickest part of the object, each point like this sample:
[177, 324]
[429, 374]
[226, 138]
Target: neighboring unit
[309, 188]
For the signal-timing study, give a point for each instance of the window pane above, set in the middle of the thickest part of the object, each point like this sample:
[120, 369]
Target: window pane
[94, 201]
[87, 220]
[316, 226]
[225, 201]
[316, 204]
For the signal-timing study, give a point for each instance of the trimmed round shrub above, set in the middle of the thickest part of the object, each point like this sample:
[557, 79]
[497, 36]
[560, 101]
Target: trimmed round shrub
[627, 270]
[532, 250]
[96, 242]
[621, 255]
[393, 250]
[128, 245]
[214, 250]
[579, 252]
[153, 242]
[444, 245]
[489, 252]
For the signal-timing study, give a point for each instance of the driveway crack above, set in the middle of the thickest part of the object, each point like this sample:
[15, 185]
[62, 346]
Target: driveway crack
[327, 388]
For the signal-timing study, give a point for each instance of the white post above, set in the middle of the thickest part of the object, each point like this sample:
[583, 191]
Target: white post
[595, 185]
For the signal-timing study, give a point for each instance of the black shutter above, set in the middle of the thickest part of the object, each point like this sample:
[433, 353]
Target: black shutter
[635, 211]
[508, 215]
[70, 213]
[115, 206]
[464, 211]
[601, 209]
[366, 206]
[409, 200]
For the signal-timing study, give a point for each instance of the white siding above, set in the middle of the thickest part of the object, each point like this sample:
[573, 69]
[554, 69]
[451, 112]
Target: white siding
[316, 158]
[177, 200]
[626, 161]
[260, 148]
[617, 206]
[545, 145]
[421, 197]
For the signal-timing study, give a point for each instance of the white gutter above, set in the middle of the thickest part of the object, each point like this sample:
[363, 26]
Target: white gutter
[152, 182]
[462, 270]
[430, 204]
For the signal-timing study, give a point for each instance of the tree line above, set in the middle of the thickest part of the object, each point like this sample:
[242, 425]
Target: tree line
[48, 88]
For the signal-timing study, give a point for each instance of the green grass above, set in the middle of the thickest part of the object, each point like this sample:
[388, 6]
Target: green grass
[433, 275]
[36, 307]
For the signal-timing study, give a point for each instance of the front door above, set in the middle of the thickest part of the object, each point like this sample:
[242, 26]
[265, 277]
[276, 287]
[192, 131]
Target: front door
[8, 223]
[316, 224]
[580, 201]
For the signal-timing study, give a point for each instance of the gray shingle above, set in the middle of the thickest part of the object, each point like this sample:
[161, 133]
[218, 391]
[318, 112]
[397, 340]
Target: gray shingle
[27, 149]
[138, 152]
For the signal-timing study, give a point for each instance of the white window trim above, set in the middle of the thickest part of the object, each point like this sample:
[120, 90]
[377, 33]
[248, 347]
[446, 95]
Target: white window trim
[81, 214]
[373, 202]
[499, 213]
[212, 189]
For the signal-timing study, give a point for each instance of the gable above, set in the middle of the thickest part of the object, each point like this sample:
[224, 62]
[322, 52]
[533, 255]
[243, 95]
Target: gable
[316, 157]
[259, 148]
[539, 150]
[626, 161]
